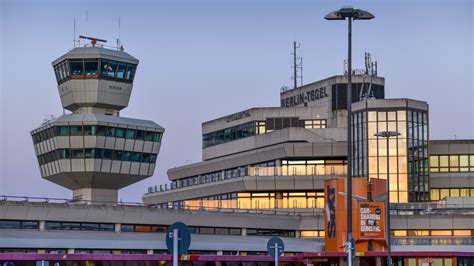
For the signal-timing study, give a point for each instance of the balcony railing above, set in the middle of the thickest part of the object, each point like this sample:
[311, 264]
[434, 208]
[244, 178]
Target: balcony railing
[433, 241]
[290, 170]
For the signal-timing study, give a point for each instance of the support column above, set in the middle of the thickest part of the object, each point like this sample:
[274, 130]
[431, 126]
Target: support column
[343, 261]
[244, 231]
[70, 251]
[149, 252]
[378, 261]
[42, 225]
[118, 228]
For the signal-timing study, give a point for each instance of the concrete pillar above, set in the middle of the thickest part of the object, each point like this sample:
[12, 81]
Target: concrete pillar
[42, 225]
[342, 262]
[378, 261]
[244, 231]
[70, 251]
[118, 228]
[149, 252]
[356, 261]
[298, 234]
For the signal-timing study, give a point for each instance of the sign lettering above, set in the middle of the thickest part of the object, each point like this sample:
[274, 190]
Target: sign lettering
[304, 97]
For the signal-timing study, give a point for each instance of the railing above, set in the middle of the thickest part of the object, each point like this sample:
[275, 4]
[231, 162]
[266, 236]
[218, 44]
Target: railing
[395, 209]
[68, 201]
[433, 241]
[291, 170]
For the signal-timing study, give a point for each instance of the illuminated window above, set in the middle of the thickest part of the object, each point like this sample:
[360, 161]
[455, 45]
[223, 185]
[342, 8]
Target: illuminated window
[317, 123]
[309, 234]
[462, 232]
[441, 233]
[399, 233]
[434, 194]
[418, 233]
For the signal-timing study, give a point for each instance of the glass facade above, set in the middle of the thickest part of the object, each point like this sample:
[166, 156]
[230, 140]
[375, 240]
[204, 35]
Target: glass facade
[95, 153]
[255, 200]
[452, 163]
[96, 130]
[407, 154]
[441, 193]
[253, 128]
[94, 68]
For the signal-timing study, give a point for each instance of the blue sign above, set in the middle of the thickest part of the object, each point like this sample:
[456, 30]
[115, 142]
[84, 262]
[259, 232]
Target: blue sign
[184, 238]
[271, 246]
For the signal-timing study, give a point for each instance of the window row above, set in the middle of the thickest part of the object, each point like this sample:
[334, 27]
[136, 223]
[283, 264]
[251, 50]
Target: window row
[79, 226]
[452, 163]
[97, 130]
[441, 193]
[94, 68]
[94, 153]
[257, 128]
[15, 224]
[431, 232]
[312, 233]
[255, 200]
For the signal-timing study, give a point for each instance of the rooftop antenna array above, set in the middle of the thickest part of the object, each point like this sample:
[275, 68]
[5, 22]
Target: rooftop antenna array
[297, 66]
[369, 72]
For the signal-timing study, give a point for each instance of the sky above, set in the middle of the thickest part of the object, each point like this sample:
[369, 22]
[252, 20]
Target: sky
[201, 60]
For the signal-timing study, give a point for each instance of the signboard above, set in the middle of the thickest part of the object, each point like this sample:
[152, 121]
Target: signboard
[184, 237]
[371, 217]
[304, 97]
[271, 246]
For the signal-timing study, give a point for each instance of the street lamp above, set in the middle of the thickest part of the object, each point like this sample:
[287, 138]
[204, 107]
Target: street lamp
[351, 14]
[388, 135]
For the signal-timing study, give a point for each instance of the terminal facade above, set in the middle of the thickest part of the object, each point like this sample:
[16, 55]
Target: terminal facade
[262, 174]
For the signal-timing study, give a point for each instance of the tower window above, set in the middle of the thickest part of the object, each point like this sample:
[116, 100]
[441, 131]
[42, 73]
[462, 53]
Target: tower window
[77, 67]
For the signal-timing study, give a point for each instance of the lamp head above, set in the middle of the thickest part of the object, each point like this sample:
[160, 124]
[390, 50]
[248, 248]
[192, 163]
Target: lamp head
[349, 12]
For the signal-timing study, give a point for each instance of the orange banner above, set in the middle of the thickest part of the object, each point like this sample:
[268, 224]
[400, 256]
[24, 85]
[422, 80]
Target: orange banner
[371, 220]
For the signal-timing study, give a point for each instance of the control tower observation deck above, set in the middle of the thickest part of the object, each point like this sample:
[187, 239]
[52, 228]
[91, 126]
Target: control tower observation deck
[93, 151]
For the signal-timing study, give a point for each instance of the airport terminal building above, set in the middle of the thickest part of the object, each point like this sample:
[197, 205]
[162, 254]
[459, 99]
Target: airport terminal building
[262, 174]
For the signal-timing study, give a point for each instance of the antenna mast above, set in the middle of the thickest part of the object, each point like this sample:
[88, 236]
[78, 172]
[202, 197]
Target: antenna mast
[297, 66]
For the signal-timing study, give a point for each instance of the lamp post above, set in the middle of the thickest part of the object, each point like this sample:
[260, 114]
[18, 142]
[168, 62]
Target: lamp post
[388, 135]
[350, 14]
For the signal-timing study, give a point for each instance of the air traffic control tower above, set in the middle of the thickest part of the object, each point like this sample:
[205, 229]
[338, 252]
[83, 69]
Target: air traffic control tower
[93, 151]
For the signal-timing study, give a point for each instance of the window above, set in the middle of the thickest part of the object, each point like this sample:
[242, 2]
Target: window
[140, 135]
[451, 163]
[121, 71]
[91, 67]
[111, 132]
[77, 153]
[10, 224]
[62, 131]
[107, 154]
[126, 156]
[157, 137]
[108, 68]
[120, 133]
[135, 157]
[77, 67]
[101, 130]
[130, 134]
[89, 130]
[130, 72]
[89, 153]
[76, 130]
[64, 154]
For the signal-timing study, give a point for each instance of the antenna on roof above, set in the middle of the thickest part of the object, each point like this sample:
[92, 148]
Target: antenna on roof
[297, 66]
[92, 39]
[119, 42]
[74, 37]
